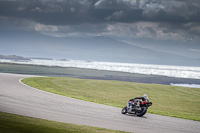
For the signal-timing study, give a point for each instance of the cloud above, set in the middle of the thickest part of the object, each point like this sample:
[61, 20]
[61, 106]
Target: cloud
[151, 30]
[46, 28]
[115, 4]
[195, 50]
[156, 19]
[51, 12]
[59, 12]
[173, 10]
[139, 30]
[12, 23]
[82, 30]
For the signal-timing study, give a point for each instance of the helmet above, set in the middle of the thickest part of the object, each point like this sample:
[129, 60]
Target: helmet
[145, 96]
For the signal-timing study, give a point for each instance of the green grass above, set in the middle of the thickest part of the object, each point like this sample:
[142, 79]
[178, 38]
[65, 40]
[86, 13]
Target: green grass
[167, 100]
[11, 123]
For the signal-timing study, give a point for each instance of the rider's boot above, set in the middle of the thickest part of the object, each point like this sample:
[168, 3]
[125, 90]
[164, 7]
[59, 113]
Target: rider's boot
[129, 109]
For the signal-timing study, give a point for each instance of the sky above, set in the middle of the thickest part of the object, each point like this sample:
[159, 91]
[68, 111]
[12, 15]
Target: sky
[161, 21]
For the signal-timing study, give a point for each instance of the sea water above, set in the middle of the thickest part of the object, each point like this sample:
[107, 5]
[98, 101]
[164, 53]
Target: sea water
[149, 69]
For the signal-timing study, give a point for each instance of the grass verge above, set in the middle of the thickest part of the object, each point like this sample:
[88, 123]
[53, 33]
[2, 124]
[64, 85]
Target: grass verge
[11, 123]
[167, 100]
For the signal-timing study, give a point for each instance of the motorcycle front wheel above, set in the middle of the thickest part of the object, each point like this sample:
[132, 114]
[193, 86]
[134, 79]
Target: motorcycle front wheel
[142, 112]
[124, 110]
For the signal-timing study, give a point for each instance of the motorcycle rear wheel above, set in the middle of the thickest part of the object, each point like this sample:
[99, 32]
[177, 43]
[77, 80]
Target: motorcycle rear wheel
[143, 112]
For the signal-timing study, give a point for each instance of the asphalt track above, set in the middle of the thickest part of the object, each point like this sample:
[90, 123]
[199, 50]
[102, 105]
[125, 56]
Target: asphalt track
[18, 98]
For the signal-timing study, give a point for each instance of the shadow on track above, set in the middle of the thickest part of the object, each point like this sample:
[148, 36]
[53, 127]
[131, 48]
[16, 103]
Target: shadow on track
[134, 115]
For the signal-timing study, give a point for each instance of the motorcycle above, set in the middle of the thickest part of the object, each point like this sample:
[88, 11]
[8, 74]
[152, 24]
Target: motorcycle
[138, 107]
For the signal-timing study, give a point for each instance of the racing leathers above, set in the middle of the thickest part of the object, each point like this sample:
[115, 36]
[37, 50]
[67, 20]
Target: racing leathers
[135, 102]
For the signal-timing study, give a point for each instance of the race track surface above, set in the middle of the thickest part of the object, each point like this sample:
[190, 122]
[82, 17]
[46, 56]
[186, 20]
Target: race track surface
[18, 98]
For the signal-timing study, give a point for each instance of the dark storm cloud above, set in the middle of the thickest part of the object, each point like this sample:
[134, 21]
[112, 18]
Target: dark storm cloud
[62, 12]
[48, 11]
[160, 19]
[180, 11]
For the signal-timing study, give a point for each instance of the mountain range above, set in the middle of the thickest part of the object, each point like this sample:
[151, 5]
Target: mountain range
[33, 44]
[13, 57]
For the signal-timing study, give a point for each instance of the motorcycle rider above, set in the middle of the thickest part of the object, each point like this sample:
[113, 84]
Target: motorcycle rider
[132, 102]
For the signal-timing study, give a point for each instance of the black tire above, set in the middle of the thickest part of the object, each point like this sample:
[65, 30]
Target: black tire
[143, 112]
[124, 110]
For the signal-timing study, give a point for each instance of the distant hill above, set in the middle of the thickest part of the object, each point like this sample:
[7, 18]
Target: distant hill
[34, 44]
[13, 57]
[184, 48]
